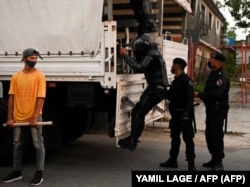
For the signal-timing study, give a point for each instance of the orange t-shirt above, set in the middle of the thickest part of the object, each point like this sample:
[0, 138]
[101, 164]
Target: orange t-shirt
[26, 88]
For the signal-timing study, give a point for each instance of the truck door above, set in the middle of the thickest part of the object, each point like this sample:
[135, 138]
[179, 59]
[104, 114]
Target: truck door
[131, 86]
[129, 90]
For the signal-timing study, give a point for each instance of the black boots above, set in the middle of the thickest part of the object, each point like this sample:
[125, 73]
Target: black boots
[209, 164]
[215, 165]
[191, 166]
[218, 166]
[129, 143]
[170, 163]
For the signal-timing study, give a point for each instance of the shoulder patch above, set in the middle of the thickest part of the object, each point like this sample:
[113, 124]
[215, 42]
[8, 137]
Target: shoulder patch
[219, 82]
[191, 83]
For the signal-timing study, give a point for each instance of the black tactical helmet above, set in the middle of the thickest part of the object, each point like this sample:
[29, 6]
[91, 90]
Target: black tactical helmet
[145, 41]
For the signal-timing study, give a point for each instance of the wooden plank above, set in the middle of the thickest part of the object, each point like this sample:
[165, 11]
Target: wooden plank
[172, 27]
[123, 35]
[123, 12]
[177, 38]
[172, 19]
[128, 1]
[170, 2]
[121, 2]
[172, 9]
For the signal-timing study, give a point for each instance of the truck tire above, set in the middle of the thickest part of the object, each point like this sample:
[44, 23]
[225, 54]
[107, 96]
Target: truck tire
[76, 122]
[111, 128]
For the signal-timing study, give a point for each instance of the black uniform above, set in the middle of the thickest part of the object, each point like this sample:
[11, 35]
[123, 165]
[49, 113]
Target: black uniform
[181, 100]
[215, 98]
[142, 11]
[153, 67]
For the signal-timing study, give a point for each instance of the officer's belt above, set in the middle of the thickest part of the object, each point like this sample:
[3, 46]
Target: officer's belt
[180, 110]
[160, 87]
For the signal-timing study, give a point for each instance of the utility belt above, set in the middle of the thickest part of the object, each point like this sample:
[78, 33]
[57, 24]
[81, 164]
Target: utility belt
[160, 87]
[177, 111]
[221, 105]
[180, 110]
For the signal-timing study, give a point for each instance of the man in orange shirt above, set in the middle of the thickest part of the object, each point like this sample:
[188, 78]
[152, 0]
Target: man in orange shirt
[26, 99]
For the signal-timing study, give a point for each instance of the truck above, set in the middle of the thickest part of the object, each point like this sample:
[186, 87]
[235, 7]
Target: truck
[89, 86]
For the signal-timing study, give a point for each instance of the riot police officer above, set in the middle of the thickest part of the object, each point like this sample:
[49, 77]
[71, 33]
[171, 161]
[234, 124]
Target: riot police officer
[215, 98]
[142, 11]
[180, 96]
[154, 69]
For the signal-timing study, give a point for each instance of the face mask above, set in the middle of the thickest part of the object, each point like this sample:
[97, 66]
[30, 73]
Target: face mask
[209, 64]
[172, 70]
[31, 64]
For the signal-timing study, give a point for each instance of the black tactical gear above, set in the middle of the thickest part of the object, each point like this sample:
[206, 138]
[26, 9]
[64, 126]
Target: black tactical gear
[143, 15]
[152, 95]
[215, 97]
[180, 96]
[143, 42]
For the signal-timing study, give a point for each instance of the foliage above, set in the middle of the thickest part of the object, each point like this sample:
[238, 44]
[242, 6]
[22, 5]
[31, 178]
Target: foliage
[230, 64]
[230, 67]
[231, 34]
[200, 86]
[240, 11]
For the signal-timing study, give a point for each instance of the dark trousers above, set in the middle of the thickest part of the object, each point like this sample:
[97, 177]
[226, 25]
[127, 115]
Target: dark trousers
[214, 133]
[177, 127]
[149, 98]
[142, 11]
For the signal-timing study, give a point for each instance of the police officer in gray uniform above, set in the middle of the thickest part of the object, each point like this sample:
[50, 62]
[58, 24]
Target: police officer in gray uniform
[215, 98]
[154, 69]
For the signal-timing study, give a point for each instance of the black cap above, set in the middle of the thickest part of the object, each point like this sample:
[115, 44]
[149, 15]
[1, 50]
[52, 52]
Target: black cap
[30, 51]
[180, 61]
[218, 56]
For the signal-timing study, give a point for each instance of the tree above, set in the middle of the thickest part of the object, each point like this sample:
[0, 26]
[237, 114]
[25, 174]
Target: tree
[240, 11]
[231, 33]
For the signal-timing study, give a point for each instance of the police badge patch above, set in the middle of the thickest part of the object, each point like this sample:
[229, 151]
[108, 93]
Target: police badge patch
[191, 83]
[219, 82]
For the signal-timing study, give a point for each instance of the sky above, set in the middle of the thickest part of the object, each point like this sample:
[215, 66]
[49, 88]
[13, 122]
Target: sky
[240, 33]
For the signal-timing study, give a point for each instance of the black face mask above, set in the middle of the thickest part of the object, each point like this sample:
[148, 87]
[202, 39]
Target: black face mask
[172, 70]
[209, 64]
[31, 64]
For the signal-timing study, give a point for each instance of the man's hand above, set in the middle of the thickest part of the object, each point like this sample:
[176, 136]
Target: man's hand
[122, 51]
[33, 121]
[196, 94]
[10, 123]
